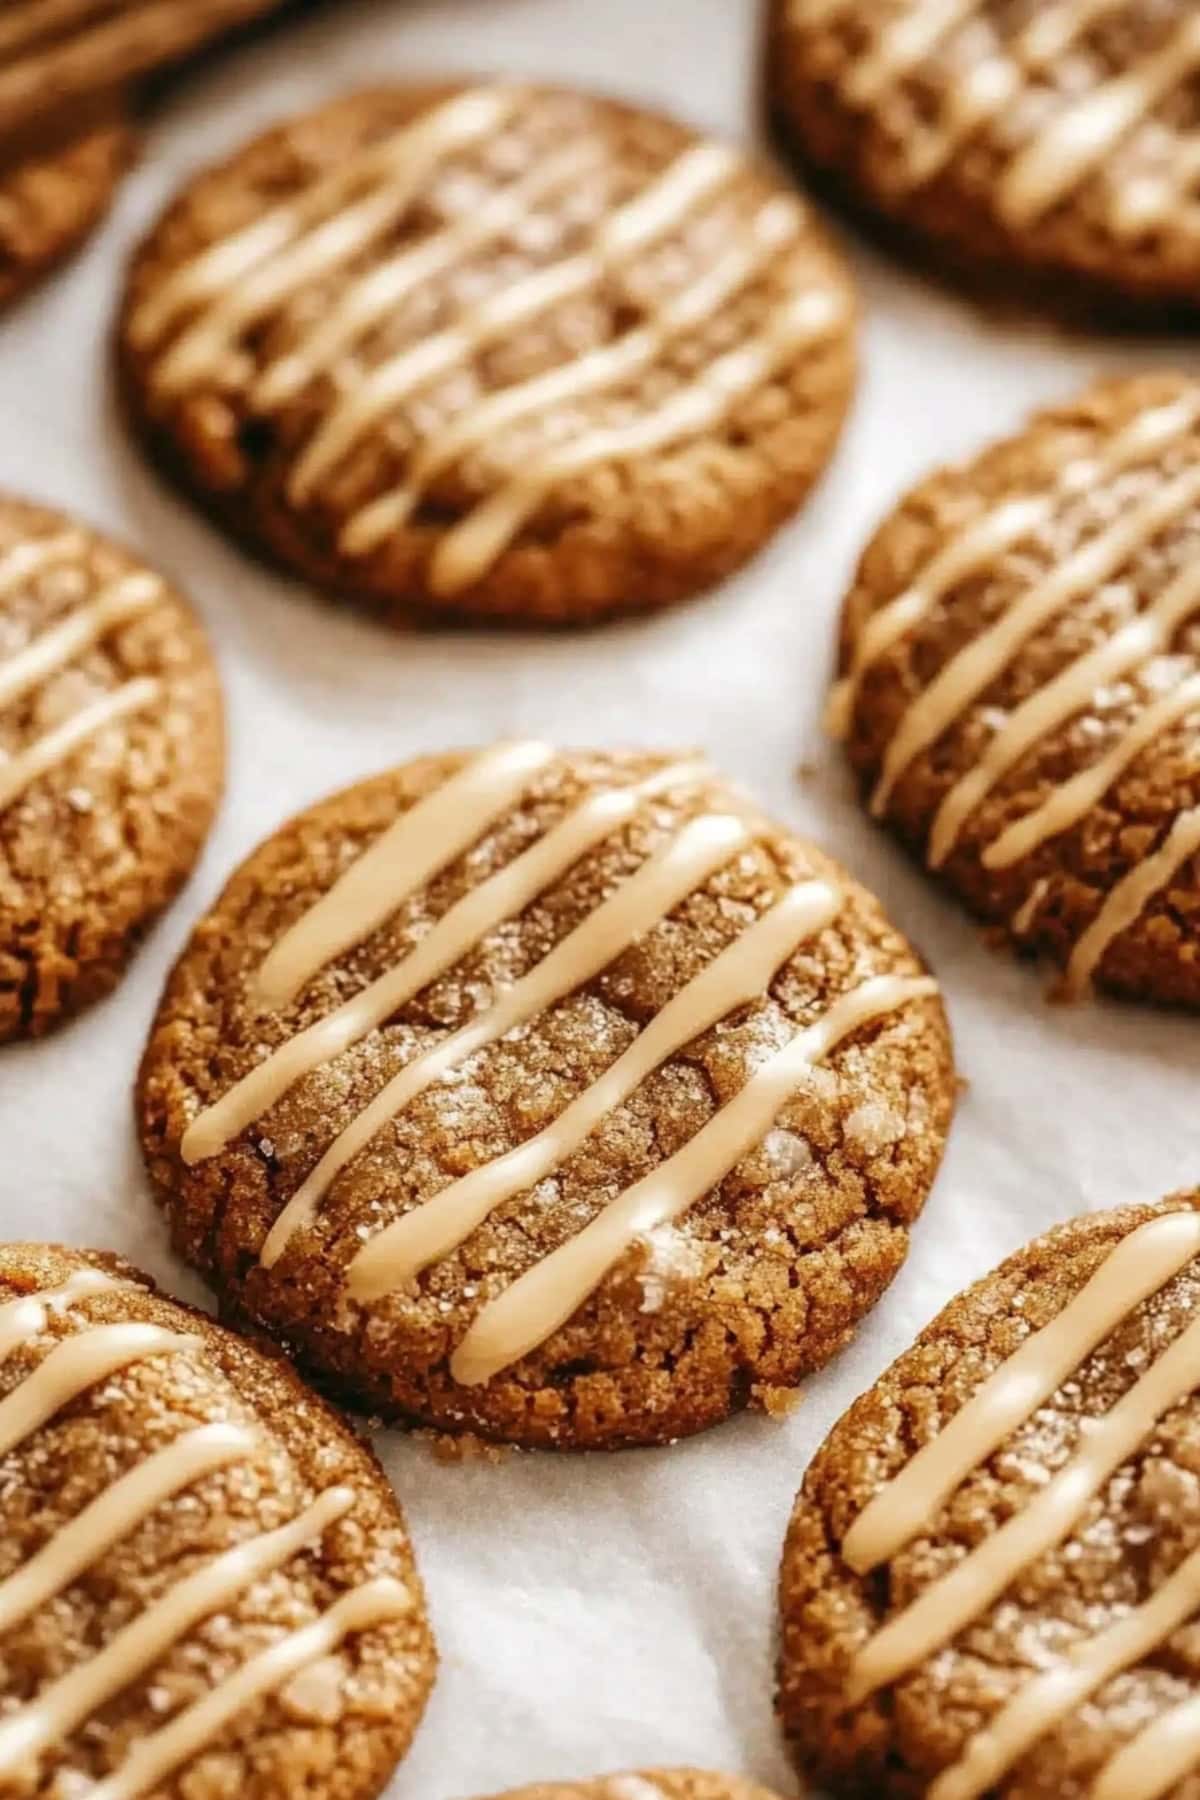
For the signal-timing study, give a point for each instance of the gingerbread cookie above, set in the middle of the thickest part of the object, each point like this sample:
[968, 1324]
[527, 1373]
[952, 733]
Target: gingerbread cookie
[1057, 139]
[111, 756]
[53, 194]
[497, 351]
[993, 1570]
[1020, 686]
[206, 1586]
[557, 1097]
[659, 1784]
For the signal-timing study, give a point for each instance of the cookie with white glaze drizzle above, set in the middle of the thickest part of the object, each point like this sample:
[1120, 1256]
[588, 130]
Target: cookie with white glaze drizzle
[557, 1096]
[992, 1573]
[111, 760]
[498, 351]
[206, 1585]
[1019, 685]
[1054, 140]
[656, 1784]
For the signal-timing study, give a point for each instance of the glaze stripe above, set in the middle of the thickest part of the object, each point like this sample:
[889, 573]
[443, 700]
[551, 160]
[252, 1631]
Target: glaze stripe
[1125, 904]
[1052, 705]
[774, 226]
[74, 1697]
[737, 975]
[1149, 1765]
[547, 1295]
[25, 561]
[950, 1603]
[404, 157]
[25, 1318]
[75, 1365]
[48, 752]
[375, 1603]
[702, 847]
[1066, 805]
[127, 1503]
[471, 547]
[1054, 1696]
[969, 673]
[62, 643]
[989, 536]
[379, 292]
[695, 174]
[904, 1507]
[502, 896]
[424, 840]
[344, 235]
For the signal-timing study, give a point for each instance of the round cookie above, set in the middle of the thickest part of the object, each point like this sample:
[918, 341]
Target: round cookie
[502, 352]
[557, 1097]
[1054, 139]
[52, 197]
[657, 1784]
[1020, 687]
[111, 758]
[206, 1586]
[992, 1572]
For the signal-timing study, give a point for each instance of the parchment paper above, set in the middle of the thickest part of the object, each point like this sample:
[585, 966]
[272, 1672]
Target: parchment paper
[603, 1612]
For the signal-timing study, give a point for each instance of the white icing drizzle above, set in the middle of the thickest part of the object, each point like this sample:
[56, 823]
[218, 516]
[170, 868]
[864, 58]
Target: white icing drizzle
[976, 666]
[400, 162]
[1137, 1268]
[502, 896]
[333, 243]
[735, 977]
[702, 847]
[24, 1319]
[424, 840]
[115, 1512]
[1068, 804]
[546, 1296]
[1052, 705]
[694, 175]
[62, 643]
[75, 1364]
[974, 550]
[102, 55]
[25, 561]
[472, 546]
[773, 226]
[48, 752]
[376, 1602]
[1125, 903]
[1081, 133]
[1078, 139]
[380, 291]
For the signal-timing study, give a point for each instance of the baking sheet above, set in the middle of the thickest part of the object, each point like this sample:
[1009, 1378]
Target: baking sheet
[604, 1612]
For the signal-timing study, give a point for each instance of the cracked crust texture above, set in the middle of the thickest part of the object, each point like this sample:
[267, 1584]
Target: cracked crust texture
[1156, 958]
[636, 533]
[653, 1784]
[94, 849]
[280, 1745]
[1091, 246]
[761, 1281]
[52, 199]
[1135, 1534]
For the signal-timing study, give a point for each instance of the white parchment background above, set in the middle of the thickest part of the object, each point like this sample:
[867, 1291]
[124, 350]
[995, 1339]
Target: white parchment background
[593, 1613]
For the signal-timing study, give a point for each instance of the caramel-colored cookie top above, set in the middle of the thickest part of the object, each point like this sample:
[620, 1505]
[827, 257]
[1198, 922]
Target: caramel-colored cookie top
[1060, 136]
[993, 1568]
[205, 1582]
[558, 1096]
[657, 1784]
[1021, 684]
[51, 197]
[111, 758]
[505, 349]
